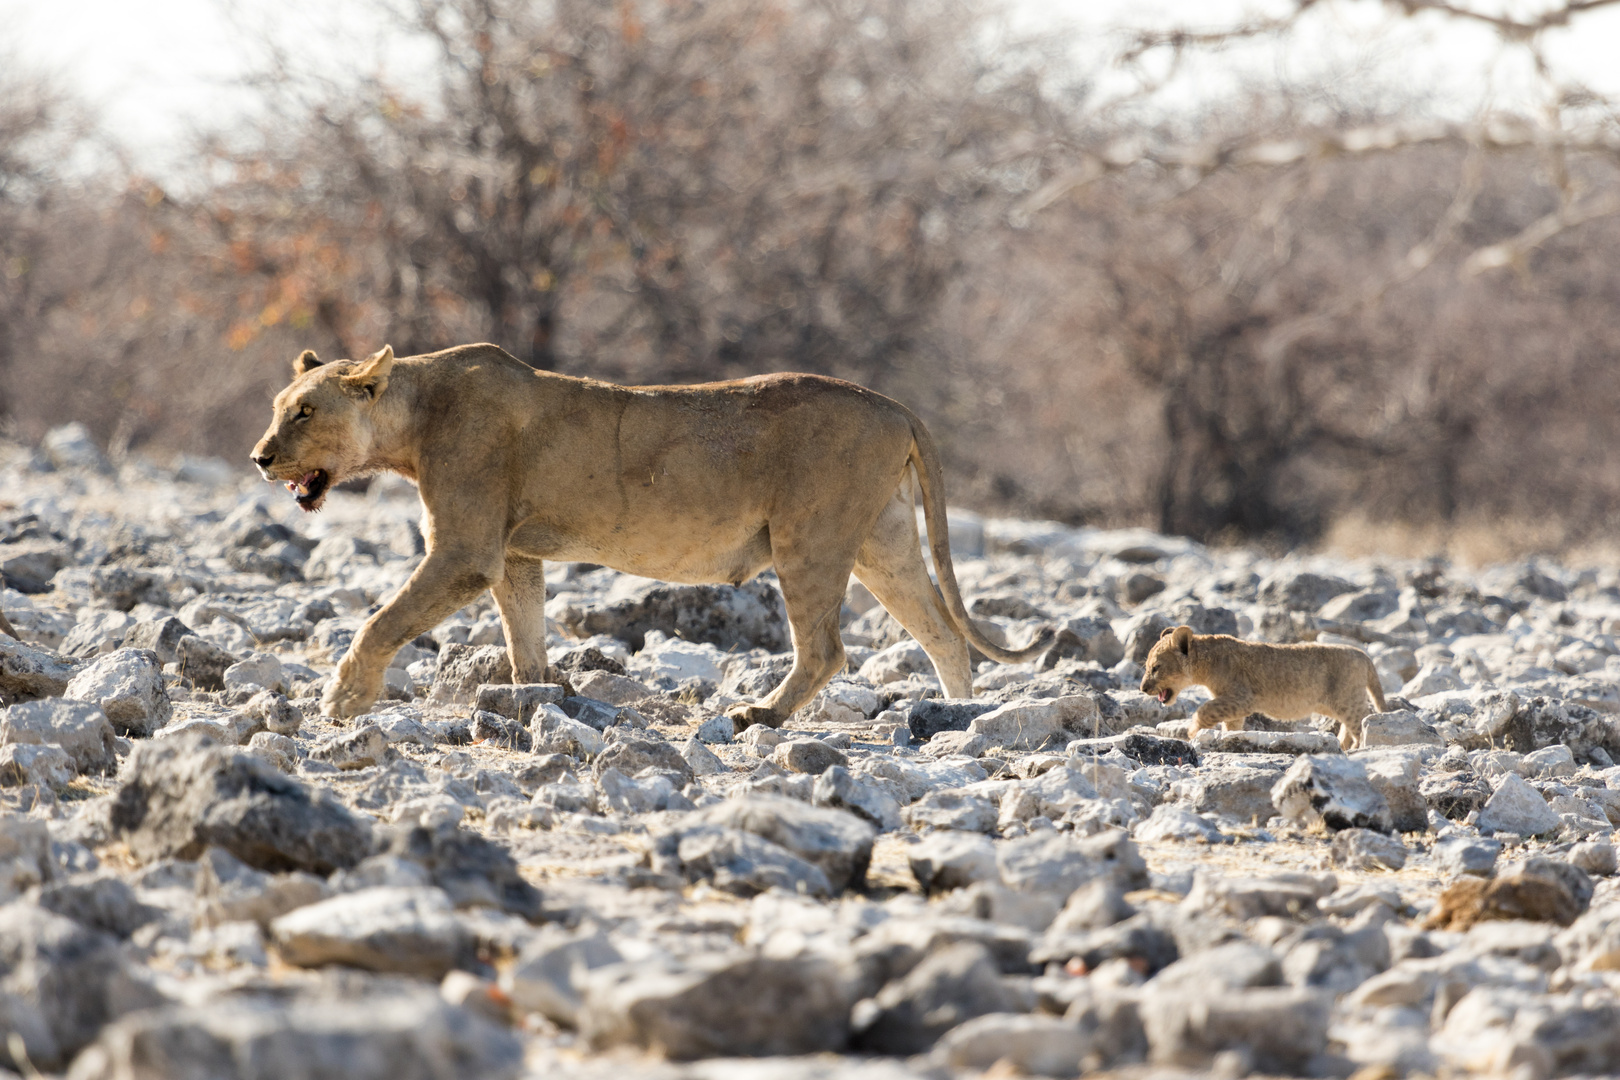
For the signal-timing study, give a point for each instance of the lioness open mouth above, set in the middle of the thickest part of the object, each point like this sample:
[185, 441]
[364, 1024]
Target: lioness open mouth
[309, 489]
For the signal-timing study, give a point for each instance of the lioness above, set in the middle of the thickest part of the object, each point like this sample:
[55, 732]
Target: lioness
[694, 484]
[1286, 682]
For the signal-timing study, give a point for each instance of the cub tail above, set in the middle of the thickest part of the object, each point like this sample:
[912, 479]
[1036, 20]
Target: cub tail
[1375, 687]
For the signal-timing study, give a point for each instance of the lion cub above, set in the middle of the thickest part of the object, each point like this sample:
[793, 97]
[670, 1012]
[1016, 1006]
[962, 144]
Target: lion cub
[1286, 682]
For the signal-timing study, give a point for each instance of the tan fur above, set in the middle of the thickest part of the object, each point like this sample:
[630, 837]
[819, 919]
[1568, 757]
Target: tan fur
[1286, 682]
[709, 483]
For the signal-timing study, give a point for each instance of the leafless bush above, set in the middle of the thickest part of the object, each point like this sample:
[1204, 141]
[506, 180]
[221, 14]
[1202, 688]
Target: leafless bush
[1282, 312]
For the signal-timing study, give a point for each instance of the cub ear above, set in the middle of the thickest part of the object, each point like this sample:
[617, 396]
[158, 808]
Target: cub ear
[1181, 639]
[371, 377]
[1166, 632]
[307, 362]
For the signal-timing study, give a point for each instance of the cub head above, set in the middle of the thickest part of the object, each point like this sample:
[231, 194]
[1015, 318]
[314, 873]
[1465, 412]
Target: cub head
[1169, 665]
[321, 433]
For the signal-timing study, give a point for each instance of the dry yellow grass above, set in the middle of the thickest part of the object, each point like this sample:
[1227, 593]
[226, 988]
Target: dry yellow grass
[1471, 542]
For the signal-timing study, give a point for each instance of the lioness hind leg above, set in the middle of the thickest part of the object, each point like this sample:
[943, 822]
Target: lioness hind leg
[520, 596]
[818, 653]
[890, 564]
[813, 587]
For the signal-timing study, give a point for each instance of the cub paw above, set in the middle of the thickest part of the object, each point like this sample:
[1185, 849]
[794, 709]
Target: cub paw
[744, 717]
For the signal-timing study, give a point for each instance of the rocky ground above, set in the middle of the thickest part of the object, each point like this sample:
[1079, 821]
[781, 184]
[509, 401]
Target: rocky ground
[202, 877]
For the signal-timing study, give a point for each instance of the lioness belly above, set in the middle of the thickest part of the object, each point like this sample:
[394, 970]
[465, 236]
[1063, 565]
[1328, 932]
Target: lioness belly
[692, 556]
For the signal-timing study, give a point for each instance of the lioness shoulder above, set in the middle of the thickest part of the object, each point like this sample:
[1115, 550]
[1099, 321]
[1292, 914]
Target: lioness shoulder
[1286, 682]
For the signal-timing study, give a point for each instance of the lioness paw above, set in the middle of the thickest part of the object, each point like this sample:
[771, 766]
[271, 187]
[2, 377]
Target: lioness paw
[744, 717]
[344, 699]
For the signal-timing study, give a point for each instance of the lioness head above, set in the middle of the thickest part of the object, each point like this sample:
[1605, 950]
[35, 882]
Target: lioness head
[321, 433]
[1169, 664]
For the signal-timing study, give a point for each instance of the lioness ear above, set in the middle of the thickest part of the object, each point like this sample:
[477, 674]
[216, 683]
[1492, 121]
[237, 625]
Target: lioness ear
[307, 362]
[1181, 638]
[371, 379]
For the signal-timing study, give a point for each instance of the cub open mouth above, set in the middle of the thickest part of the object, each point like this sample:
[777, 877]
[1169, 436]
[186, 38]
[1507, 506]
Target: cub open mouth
[1164, 697]
[310, 488]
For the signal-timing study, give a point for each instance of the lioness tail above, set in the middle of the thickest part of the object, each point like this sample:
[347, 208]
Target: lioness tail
[930, 477]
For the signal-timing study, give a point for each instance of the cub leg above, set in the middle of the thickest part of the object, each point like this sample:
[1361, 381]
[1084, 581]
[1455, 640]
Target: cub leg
[1351, 733]
[444, 582]
[520, 596]
[890, 564]
[1226, 709]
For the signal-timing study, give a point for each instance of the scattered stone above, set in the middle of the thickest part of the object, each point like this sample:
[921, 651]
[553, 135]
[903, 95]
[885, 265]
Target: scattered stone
[1333, 790]
[128, 685]
[473, 871]
[462, 669]
[1029, 725]
[748, 616]
[839, 843]
[614, 689]
[231, 891]
[1400, 728]
[178, 796]
[517, 701]
[1516, 807]
[719, 1007]
[948, 988]
[159, 636]
[632, 751]
[80, 729]
[497, 730]
[811, 756]
[46, 765]
[1457, 855]
[1033, 1045]
[361, 748]
[203, 662]
[1596, 858]
[386, 1031]
[931, 716]
[943, 861]
[1363, 849]
[718, 729]
[550, 973]
[1271, 1029]
[1168, 822]
[262, 670]
[839, 789]
[412, 931]
[28, 672]
[701, 759]
[951, 810]
[1212, 740]
[1058, 863]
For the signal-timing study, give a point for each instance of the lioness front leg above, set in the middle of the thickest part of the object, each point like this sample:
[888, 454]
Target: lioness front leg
[1227, 710]
[444, 582]
[520, 596]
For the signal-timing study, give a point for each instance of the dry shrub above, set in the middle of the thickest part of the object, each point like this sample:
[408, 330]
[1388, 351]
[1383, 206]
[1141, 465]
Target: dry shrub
[683, 191]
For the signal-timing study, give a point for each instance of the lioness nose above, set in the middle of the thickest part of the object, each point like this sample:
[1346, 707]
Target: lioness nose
[265, 461]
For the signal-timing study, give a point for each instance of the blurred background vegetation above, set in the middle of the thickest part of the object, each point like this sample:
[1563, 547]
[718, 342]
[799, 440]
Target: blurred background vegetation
[1307, 309]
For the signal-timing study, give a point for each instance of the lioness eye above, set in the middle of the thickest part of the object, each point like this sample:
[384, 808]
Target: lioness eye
[305, 412]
